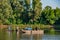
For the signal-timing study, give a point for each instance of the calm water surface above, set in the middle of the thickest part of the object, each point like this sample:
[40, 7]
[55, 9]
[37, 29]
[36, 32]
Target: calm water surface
[6, 35]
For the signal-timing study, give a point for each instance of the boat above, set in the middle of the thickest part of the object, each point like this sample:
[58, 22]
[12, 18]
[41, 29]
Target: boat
[34, 31]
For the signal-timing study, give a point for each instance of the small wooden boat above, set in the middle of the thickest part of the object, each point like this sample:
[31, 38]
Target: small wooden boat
[34, 32]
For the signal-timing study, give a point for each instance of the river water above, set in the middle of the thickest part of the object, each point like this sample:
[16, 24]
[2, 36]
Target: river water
[7, 35]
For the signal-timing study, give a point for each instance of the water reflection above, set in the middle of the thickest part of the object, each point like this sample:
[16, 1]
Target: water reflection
[18, 36]
[7, 35]
[51, 37]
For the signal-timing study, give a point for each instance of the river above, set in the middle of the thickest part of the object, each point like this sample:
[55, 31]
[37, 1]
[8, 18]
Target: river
[7, 35]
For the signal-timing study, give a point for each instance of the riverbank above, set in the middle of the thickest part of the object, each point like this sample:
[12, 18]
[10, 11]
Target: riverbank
[40, 26]
[45, 28]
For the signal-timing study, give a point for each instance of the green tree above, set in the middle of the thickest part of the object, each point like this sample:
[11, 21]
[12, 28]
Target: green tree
[5, 11]
[57, 14]
[17, 11]
[48, 15]
[37, 7]
[25, 13]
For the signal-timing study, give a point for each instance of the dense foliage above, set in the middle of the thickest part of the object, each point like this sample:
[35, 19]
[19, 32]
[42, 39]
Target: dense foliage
[20, 12]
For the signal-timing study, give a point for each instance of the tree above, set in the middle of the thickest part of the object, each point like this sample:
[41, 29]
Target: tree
[25, 13]
[5, 11]
[17, 11]
[57, 14]
[48, 15]
[36, 4]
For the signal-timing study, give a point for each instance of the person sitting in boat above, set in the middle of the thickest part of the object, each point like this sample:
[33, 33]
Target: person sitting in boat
[17, 29]
[36, 28]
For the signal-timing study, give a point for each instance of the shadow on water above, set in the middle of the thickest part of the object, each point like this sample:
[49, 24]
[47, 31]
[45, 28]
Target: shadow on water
[8, 35]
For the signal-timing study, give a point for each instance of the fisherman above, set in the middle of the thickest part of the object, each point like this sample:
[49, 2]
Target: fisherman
[36, 28]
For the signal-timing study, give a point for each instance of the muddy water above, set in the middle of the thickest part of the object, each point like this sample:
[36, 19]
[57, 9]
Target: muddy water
[7, 35]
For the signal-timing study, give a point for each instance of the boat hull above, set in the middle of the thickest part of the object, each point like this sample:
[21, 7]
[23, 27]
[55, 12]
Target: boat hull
[34, 31]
